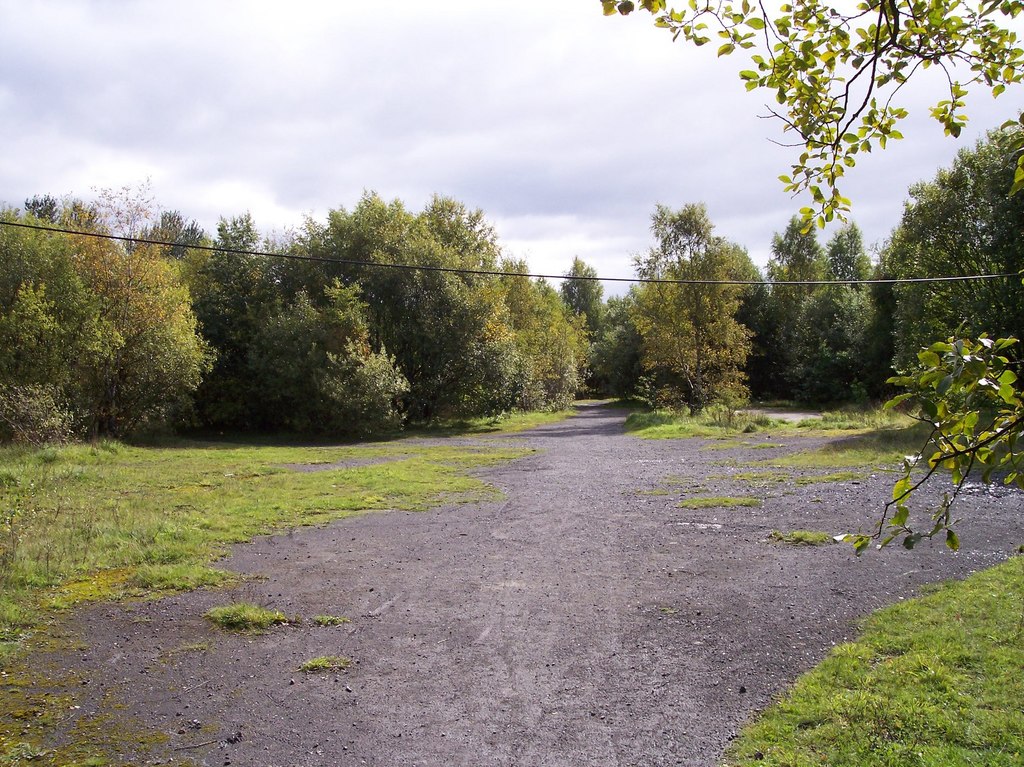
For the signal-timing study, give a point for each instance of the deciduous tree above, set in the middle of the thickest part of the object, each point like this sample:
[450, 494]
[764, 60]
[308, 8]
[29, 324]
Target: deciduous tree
[692, 341]
[834, 71]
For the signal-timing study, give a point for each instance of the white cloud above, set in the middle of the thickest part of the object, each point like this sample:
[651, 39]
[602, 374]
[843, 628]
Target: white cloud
[564, 126]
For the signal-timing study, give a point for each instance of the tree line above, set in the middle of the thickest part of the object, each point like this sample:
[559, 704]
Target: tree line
[106, 337]
[682, 345]
[343, 336]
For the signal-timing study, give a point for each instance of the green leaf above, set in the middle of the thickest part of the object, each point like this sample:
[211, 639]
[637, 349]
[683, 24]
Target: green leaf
[952, 540]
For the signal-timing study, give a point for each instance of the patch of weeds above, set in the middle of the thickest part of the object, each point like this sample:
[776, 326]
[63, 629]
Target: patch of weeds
[767, 446]
[653, 491]
[246, 617]
[838, 476]
[325, 663]
[667, 610]
[717, 502]
[330, 620]
[802, 537]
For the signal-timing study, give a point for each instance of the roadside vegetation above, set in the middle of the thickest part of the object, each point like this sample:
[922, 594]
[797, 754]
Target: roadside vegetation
[89, 522]
[934, 681]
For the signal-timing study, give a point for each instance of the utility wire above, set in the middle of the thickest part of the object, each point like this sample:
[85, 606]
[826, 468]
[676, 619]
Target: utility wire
[495, 272]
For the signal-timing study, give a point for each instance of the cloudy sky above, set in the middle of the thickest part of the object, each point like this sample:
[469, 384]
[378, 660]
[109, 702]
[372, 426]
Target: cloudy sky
[564, 126]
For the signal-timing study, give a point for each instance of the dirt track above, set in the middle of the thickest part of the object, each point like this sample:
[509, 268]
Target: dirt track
[577, 622]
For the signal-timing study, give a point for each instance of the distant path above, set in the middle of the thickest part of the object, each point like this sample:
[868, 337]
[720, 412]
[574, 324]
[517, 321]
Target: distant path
[578, 622]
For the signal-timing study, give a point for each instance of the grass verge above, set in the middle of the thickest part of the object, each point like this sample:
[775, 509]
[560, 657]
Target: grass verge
[91, 522]
[932, 682]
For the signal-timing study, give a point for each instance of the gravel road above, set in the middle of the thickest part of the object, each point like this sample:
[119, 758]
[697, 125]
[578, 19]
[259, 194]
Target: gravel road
[585, 619]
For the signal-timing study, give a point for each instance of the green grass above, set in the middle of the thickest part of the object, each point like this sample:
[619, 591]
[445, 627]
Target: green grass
[246, 617]
[719, 423]
[870, 449]
[329, 620]
[84, 523]
[506, 423]
[712, 423]
[325, 663]
[932, 682]
[856, 419]
[91, 522]
[802, 537]
[717, 502]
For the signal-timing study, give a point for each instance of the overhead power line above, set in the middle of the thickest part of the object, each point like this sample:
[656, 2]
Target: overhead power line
[495, 272]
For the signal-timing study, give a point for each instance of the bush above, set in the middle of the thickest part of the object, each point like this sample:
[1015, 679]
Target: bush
[33, 415]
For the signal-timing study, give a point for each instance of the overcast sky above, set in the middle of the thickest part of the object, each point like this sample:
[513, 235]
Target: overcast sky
[564, 126]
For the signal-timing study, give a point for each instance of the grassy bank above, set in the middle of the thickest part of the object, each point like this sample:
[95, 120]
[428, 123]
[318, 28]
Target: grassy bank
[933, 682]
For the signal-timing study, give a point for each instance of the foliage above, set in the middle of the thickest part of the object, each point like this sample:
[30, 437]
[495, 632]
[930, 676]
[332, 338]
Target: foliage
[797, 257]
[233, 295]
[550, 340]
[930, 681]
[318, 373]
[467, 345]
[967, 394]
[615, 355]
[845, 255]
[32, 414]
[692, 343]
[835, 69]
[584, 295]
[107, 325]
[814, 343]
[664, 424]
[959, 223]
[830, 334]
